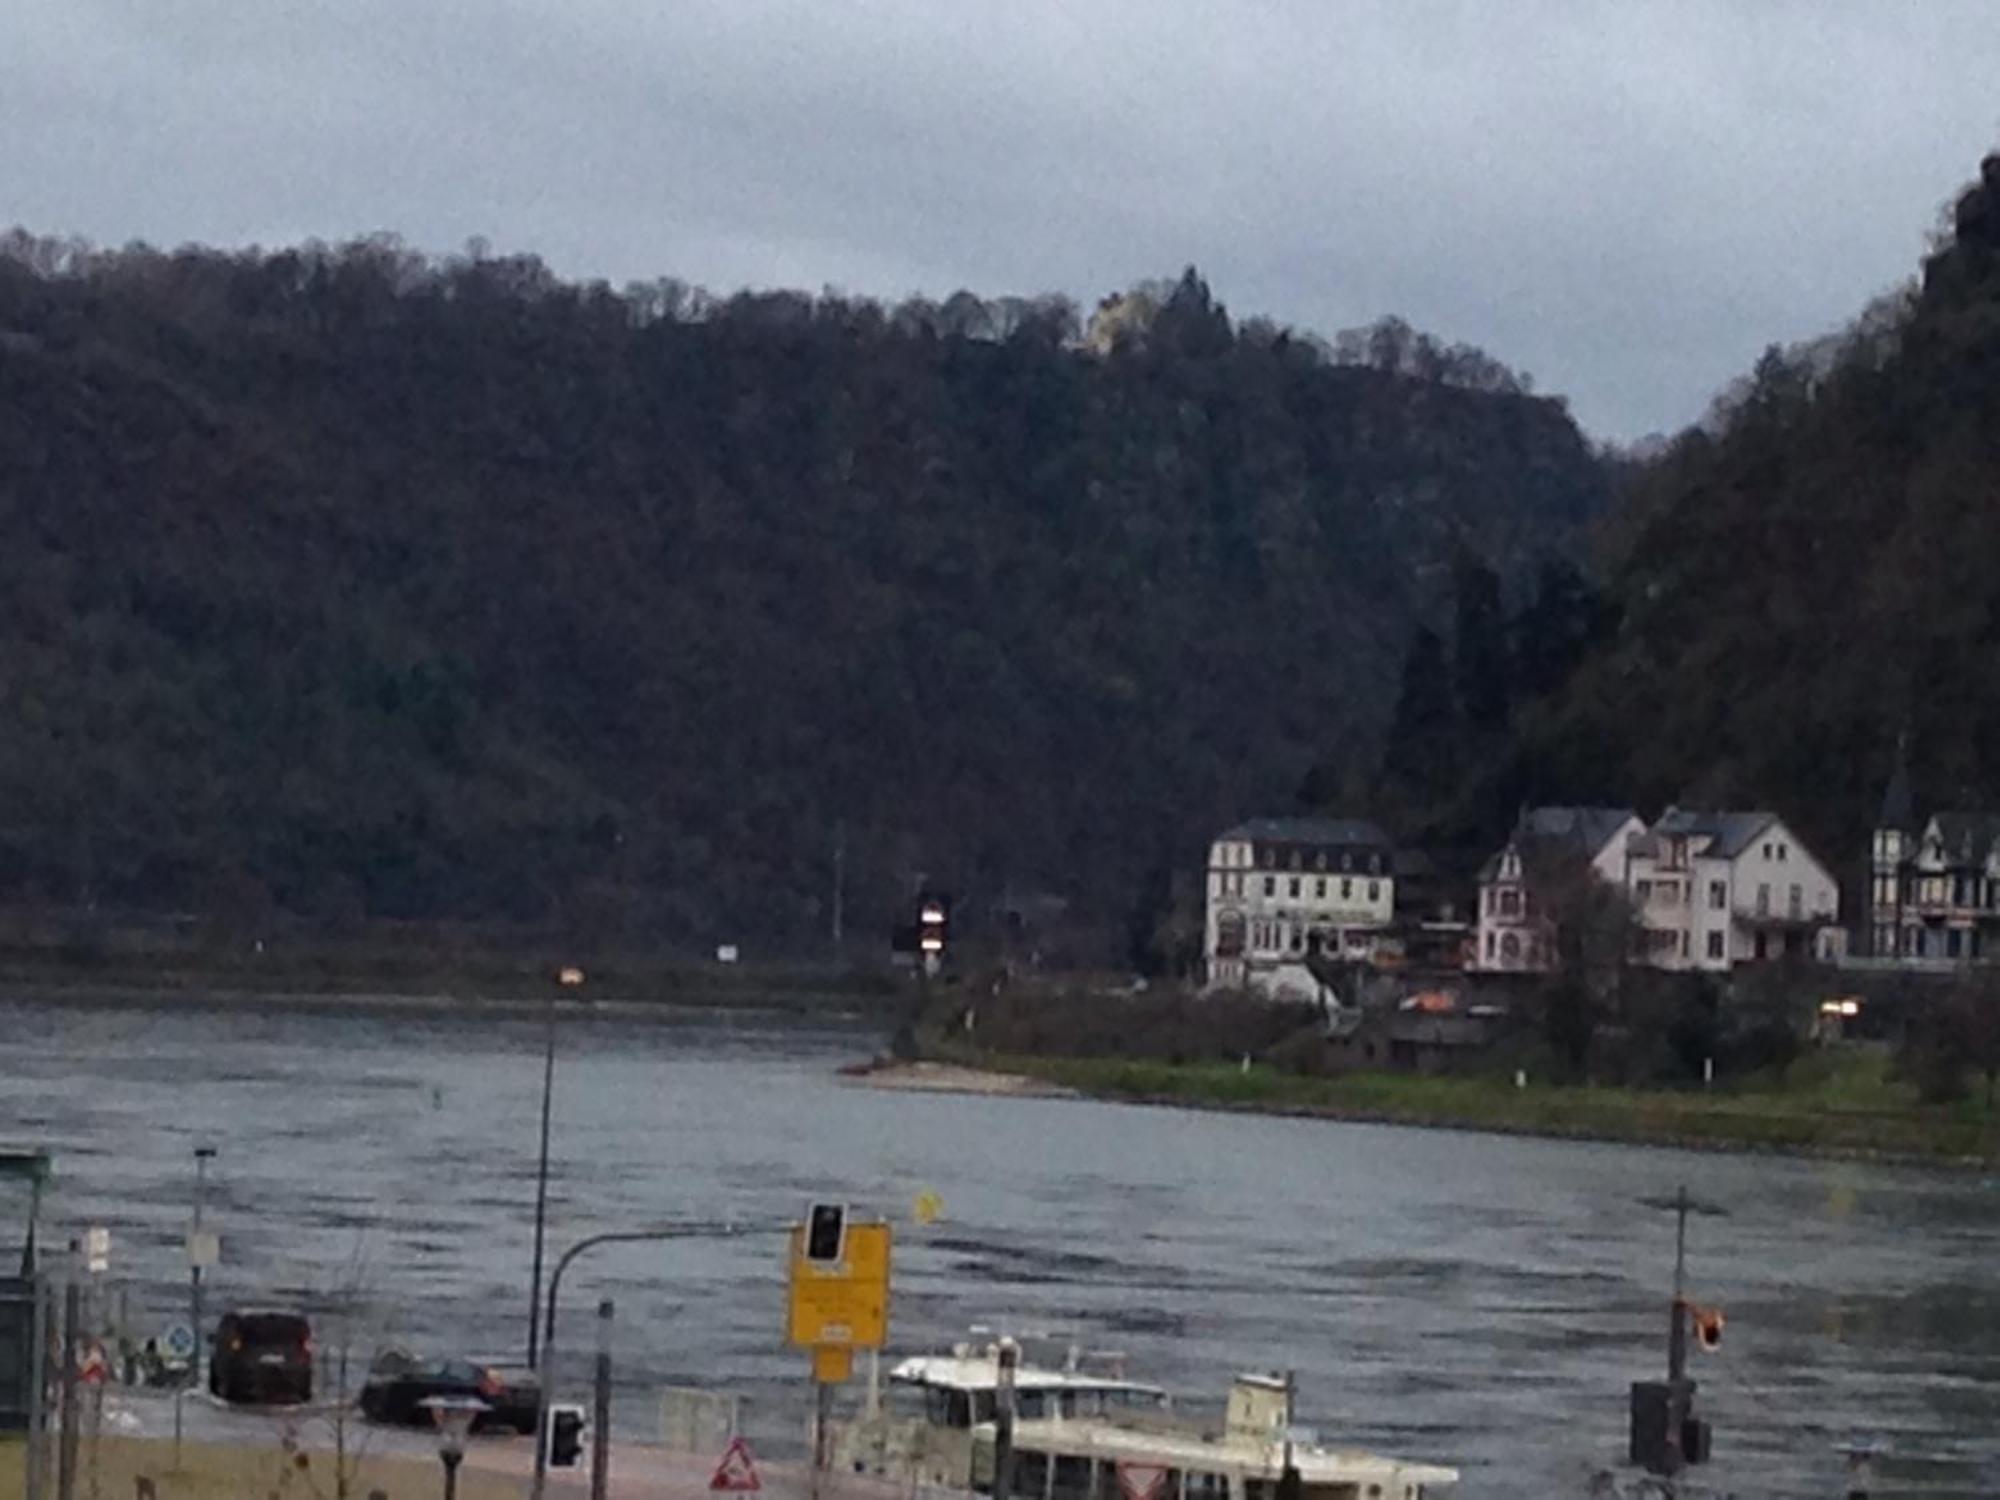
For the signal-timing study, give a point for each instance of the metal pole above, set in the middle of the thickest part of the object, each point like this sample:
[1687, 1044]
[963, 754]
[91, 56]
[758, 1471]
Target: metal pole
[37, 1456]
[820, 1389]
[1677, 1394]
[542, 1184]
[201, 1160]
[545, 1385]
[72, 1333]
[1009, 1354]
[600, 1438]
[450, 1458]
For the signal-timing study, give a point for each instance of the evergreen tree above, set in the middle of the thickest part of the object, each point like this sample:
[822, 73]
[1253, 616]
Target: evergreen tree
[1480, 668]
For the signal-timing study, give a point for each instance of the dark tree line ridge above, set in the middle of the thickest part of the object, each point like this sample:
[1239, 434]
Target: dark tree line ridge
[343, 581]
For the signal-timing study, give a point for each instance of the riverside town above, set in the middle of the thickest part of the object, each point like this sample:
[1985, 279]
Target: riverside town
[985, 752]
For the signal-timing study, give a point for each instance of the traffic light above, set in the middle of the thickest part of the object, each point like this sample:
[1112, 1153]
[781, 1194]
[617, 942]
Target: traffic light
[933, 922]
[826, 1232]
[564, 1436]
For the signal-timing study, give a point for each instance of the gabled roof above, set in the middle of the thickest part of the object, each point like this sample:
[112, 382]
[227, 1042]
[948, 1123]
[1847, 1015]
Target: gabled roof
[1591, 828]
[1584, 829]
[1968, 837]
[1350, 831]
[1728, 833]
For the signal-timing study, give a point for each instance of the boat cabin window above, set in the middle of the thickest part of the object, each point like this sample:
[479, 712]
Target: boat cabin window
[947, 1408]
[1200, 1486]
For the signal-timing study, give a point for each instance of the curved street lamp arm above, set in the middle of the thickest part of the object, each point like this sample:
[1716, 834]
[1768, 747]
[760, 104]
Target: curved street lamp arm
[697, 1230]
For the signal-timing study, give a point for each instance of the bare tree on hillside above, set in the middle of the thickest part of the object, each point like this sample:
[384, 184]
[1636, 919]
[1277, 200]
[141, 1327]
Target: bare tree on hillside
[1589, 928]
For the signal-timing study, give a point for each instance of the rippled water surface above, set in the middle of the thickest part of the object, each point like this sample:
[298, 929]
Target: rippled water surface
[1475, 1299]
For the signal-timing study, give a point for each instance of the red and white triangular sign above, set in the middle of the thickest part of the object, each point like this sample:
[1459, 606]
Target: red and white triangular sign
[1141, 1481]
[92, 1367]
[738, 1470]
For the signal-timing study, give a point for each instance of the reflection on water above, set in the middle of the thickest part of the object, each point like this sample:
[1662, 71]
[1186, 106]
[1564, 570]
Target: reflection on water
[1480, 1300]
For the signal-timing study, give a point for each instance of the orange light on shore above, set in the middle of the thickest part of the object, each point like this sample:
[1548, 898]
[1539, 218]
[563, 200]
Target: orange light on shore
[569, 976]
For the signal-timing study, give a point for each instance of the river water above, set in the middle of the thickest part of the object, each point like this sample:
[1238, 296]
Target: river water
[1479, 1300]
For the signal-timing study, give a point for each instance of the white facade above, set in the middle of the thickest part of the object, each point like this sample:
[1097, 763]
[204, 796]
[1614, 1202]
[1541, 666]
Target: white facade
[1713, 890]
[1280, 889]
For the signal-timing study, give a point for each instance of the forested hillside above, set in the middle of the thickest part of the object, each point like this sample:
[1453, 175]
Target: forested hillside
[1810, 575]
[350, 583]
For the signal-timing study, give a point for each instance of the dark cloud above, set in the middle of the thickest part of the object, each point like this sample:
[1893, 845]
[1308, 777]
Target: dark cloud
[1628, 199]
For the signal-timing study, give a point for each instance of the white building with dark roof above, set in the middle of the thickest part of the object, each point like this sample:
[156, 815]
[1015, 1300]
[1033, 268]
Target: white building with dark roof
[1281, 889]
[1711, 890]
[1515, 934]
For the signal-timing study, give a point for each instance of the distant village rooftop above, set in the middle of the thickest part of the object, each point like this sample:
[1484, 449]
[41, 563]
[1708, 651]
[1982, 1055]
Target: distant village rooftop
[1728, 833]
[1328, 831]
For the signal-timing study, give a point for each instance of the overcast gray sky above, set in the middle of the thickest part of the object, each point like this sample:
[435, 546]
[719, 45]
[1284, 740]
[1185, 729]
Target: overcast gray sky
[1628, 200]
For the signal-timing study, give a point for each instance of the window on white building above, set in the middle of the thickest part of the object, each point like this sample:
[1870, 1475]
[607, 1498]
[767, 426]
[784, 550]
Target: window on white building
[1270, 885]
[1510, 947]
[1319, 889]
[1718, 895]
[1293, 890]
[1374, 890]
[1510, 903]
[1795, 902]
[1763, 901]
[1643, 890]
[1346, 889]
[1492, 941]
[1715, 945]
[1684, 945]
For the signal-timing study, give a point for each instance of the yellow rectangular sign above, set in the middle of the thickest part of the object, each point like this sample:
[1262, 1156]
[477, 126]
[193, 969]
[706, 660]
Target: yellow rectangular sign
[843, 1303]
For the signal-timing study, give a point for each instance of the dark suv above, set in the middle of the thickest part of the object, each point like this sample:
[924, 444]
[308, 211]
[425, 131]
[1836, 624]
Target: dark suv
[262, 1356]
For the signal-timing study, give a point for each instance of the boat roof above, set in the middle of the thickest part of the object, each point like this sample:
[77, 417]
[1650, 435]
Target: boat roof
[1189, 1448]
[981, 1372]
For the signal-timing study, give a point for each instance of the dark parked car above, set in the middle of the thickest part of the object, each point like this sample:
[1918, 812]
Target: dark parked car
[399, 1384]
[261, 1355]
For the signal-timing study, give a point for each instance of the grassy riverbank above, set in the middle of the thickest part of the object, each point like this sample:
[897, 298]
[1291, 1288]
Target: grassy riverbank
[1843, 1103]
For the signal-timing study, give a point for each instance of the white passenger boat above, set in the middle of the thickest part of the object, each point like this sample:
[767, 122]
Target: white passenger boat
[1083, 1435]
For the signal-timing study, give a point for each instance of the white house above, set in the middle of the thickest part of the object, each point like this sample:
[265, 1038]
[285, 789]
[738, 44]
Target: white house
[1281, 889]
[1515, 935]
[1711, 890]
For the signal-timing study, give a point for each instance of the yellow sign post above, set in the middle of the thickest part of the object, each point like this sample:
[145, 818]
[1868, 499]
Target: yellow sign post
[843, 1303]
[839, 1303]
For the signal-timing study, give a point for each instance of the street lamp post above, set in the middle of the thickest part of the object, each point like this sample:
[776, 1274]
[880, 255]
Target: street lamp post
[567, 977]
[454, 1416]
